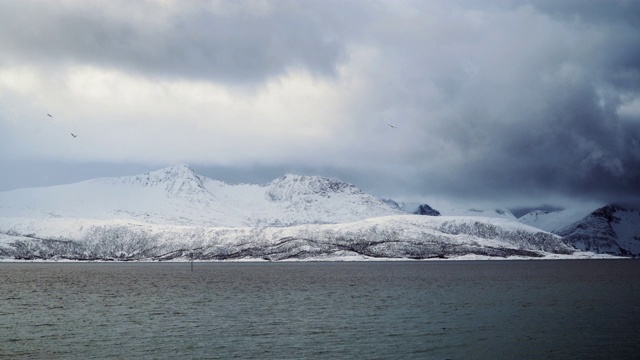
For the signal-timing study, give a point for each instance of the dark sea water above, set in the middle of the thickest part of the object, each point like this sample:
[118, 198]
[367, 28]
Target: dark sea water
[568, 309]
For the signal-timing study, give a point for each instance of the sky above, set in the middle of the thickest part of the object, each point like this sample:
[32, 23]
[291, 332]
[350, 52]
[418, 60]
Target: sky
[500, 102]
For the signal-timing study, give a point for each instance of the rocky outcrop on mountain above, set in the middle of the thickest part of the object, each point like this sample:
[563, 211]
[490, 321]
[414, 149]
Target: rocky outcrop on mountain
[413, 208]
[611, 229]
[425, 209]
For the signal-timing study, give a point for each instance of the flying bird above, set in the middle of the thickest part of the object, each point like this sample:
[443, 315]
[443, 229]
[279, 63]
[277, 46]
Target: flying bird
[49, 115]
[74, 136]
[392, 126]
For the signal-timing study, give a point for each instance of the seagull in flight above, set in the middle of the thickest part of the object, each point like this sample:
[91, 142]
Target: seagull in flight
[74, 135]
[395, 127]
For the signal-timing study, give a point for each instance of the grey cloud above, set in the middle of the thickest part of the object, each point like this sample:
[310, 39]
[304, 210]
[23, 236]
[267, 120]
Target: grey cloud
[524, 108]
[36, 173]
[573, 146]
[617, 12]
[492, 100]
[195, 42]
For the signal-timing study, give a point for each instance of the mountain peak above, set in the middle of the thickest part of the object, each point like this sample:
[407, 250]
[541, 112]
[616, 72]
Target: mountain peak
[175, 180]
[173, 172]
[425, 209]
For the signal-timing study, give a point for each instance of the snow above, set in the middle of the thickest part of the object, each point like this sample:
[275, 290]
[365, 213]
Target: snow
[553, 221]
[178, 196]
[610, 229]
[174, 213]
[627, 229]
[396, 236]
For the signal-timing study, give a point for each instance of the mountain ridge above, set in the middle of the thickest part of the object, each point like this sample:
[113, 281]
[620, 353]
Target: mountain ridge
[178, 212]
[180, 196]
[611, 229]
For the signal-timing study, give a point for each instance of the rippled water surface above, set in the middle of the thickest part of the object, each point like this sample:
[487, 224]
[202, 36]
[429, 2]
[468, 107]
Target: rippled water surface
[361, 310]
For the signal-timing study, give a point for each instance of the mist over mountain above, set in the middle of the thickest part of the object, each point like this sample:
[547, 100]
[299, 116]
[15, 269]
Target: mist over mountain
[413, 208]
[521, 211]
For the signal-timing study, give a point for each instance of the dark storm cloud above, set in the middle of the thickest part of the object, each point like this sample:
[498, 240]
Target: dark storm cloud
[575, 148]
[575, 145]
[527, 100]
[616, 12]
[192, 40]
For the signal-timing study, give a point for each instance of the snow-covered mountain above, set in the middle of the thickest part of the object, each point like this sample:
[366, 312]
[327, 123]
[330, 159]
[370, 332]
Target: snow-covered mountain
[179, 196]
[176, 213]
[396, 236]
[611, 230]
[553, 221]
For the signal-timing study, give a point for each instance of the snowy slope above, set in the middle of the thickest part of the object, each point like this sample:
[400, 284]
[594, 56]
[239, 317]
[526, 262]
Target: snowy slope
[398, 236]
[627, 229]
[554, 220]
[178, 196]
[611, 229]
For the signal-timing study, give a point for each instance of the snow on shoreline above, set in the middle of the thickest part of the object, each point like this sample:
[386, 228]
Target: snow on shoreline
[576, 256]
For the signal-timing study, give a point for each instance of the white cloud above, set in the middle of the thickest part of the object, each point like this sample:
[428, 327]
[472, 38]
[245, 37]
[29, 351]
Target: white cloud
[127, 117]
